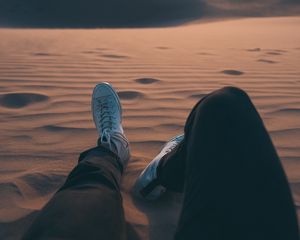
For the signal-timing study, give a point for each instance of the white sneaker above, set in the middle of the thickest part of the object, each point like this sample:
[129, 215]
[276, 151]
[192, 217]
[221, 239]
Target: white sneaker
[147, 185]
[107, 114]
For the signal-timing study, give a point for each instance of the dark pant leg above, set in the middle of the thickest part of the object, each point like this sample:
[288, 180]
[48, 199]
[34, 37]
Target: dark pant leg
[88, 206]
[235, 187]
[171, 170]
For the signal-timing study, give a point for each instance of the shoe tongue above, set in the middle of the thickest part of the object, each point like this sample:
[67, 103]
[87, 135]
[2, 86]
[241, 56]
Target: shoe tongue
[105, 138]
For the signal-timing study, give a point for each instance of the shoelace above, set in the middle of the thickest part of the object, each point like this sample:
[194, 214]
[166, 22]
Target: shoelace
[106, 117]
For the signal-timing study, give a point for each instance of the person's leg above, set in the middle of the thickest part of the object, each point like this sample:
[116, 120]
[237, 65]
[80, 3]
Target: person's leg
[88, 206]
[171, 168]
[235, 187]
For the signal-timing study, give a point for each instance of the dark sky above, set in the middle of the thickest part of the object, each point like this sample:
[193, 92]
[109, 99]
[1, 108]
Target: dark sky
[132, 13]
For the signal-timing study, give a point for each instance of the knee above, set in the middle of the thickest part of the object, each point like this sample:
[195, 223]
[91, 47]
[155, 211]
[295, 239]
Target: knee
[233, 92]
[228, 96]
[226, 99]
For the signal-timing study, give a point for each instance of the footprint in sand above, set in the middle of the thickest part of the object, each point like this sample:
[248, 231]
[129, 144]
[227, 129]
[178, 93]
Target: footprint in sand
[89, 52]
[147, 80]
[274, 53]
[279, 50]
[162, 48]
[20, 100]
[102, 49]
[114, 56]
[232, 72]
[204, 54]
[130, 95]
[266, 61]
[95, 51]
[40, 54]
[254, 50]
[44, 54]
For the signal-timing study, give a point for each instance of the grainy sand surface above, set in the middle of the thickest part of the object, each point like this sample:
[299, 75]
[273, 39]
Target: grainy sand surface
[47, 77]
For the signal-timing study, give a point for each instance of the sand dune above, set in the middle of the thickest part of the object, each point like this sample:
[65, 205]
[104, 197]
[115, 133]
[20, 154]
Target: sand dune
[134, 13]
[47, 77]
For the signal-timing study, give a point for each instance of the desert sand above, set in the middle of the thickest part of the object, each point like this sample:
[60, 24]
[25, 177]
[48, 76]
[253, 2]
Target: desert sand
[47, 78]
